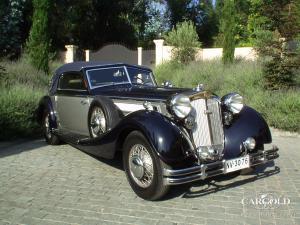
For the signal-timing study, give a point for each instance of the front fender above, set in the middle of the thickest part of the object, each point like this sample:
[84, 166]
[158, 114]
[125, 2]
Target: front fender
[249, 123]
[163, 135]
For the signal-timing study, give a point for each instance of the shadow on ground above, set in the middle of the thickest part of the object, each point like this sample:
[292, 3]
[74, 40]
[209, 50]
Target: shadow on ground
[20, 146]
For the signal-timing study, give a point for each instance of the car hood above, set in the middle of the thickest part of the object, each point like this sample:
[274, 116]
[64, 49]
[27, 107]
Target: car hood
[139, 92]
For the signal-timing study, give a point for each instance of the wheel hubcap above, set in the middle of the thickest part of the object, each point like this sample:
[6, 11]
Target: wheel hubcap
[141, 165]
[98, 122]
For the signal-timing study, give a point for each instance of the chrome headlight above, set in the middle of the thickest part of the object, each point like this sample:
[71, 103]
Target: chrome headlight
[233, 102]
[180, 105]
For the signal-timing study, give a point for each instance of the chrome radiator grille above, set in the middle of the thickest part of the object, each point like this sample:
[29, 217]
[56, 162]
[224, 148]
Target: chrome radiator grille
[208, 130]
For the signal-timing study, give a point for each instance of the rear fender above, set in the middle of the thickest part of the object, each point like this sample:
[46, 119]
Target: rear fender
[45, 104]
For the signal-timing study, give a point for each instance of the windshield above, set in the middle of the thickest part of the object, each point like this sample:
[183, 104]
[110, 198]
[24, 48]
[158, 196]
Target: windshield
[140, 76]
[118, 75]
[107, 76]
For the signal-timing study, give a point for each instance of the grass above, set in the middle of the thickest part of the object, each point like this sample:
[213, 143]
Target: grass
[21, 87]
[280, 108]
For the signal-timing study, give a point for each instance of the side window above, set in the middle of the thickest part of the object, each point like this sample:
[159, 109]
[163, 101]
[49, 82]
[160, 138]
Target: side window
[71, 81]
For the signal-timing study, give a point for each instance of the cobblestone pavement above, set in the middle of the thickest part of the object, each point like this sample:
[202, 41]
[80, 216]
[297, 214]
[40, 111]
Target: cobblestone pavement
[41, 184]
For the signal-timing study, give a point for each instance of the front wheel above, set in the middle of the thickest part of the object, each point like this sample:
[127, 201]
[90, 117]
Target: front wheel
[143, 167]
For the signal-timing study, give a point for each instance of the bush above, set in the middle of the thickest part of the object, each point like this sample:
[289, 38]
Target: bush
[185, 40]
[280, 109]
[21, 72]
[17, 118]
[22, 86]
[2, 73]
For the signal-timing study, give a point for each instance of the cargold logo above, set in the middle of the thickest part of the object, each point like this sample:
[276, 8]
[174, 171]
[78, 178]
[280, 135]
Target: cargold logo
[266, 201]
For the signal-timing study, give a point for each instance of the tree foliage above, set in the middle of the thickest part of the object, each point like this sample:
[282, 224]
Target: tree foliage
[200, 12]
[228, 29]
[275, 41]
[185, 40]
[38, 45]
[11, 21]
[157, 22]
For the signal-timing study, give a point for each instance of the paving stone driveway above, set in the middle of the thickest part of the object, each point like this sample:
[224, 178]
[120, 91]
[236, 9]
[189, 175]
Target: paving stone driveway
[42, 184]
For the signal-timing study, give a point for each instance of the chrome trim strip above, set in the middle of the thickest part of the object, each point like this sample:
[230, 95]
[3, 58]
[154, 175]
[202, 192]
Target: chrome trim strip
[128, 107]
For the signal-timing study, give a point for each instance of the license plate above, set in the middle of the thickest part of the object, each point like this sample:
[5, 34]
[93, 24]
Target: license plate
[237, 164]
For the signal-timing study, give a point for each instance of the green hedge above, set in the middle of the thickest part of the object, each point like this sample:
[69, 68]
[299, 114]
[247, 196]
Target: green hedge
[17, 111]
[21, 87]
[281, 108]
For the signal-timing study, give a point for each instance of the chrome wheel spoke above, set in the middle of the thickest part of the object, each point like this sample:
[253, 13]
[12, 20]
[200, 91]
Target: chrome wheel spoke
[98, 122]
[141, 165]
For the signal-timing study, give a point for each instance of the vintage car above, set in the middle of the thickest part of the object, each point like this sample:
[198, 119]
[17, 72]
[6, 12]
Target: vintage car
[167, 135]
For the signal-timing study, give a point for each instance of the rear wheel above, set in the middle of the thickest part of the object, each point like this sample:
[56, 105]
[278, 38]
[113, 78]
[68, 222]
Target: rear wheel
[143, 167]
[50, 138]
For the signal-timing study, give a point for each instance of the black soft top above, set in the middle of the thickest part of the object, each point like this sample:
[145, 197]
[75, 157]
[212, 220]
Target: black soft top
[79, 65]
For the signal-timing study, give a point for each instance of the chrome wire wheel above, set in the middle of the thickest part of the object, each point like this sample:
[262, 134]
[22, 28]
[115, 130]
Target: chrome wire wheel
[98, 122]
[141, 165]
[47, 126]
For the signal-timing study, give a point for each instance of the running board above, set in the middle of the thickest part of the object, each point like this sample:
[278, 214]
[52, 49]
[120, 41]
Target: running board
[70, 137]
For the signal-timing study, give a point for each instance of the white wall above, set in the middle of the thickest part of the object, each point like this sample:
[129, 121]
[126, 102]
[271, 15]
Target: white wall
[162, 53]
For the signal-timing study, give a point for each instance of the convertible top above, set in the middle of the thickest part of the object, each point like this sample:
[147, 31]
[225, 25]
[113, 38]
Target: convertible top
[77, 66]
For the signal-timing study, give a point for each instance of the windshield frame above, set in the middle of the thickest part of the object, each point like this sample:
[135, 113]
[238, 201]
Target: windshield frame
[106, 68]
[117, 83]
[142, 69]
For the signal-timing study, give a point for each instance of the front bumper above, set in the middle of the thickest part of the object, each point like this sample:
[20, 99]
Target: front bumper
[201, 172]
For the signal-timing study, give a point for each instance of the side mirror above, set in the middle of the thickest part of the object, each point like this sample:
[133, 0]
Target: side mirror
[167, 83]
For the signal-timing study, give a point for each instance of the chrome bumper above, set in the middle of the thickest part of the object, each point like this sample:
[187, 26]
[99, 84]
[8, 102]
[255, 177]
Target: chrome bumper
[201, 172]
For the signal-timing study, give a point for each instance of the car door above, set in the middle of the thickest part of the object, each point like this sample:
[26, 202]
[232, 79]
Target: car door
[72, 103]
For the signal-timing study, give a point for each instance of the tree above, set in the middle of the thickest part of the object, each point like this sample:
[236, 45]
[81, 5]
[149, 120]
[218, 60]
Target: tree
[274, 40]
[185, 40]
[11, 21]
[207, 26]
[179, 11]
[38, 45]
[157, 23]
[227, 27]
[201, 12]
